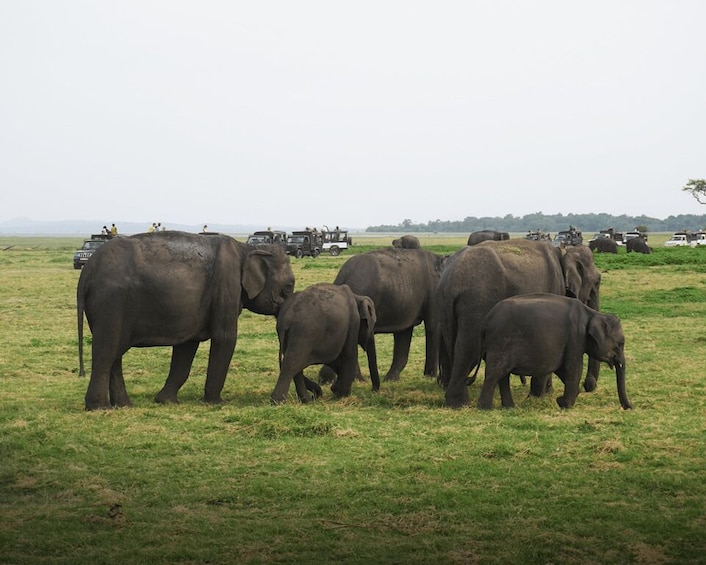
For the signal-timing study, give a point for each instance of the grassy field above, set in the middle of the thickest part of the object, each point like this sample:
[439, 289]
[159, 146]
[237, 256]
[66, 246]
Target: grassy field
[391, 477]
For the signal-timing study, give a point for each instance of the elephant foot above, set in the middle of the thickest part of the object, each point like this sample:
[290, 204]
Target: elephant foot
[90, 406]
[121, 403]
[590, 383]
[456, 401]
[326, 374]
[277, 401]
[213, 399]
[392, 376]
[564, 403]
[338, 392]
[163, 397]
[97, 403]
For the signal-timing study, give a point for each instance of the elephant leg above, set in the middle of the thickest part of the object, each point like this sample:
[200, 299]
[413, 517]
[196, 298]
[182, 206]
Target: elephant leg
[403, 341]
[326, 374]
[540, 385]
[104, 352]
[591, 381]
[301, 383]
[313, 387]
[571, 380]
[118, 393]
[444, 364]
[182, 359]
[492, 379]
[372, 364]
[431, 362]
[289, 369]
[218, 364]
[345, 367]
[466, 355]
[505, 392]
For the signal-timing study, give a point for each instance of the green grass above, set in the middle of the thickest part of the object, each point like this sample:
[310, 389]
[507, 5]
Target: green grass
[391, 477]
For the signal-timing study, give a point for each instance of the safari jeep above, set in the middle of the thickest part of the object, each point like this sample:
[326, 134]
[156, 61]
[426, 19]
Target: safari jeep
[306, 242]
[335, 241]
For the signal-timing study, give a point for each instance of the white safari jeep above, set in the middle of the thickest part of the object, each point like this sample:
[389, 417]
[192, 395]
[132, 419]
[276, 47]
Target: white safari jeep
[335, 240]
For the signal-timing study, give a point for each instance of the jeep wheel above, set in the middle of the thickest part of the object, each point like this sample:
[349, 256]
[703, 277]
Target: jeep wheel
[299, 254]
[315, 253]
[335, 251]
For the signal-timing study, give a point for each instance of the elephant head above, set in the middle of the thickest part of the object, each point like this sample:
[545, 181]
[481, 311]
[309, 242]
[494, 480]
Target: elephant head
[366, 311]
[267, 280]
[606, 342]
[581, 277]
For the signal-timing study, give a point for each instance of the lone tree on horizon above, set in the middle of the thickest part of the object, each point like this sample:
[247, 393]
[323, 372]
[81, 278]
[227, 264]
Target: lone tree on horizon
[697, 188]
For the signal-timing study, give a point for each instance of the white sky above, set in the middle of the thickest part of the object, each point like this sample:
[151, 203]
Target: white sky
[350, 113]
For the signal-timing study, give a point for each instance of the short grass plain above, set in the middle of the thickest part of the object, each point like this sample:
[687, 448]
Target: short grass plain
[388, 477]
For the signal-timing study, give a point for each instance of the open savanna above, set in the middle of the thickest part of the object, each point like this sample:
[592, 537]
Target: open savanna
[388, 477]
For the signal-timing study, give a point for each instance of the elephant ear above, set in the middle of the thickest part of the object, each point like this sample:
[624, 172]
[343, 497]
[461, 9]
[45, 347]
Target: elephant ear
[255, 272]
[368, 318]
[581, 277]
[598, 335]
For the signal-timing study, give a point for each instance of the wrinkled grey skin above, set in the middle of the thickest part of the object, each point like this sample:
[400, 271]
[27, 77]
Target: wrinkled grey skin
[638, 245]
[540, 334]
[407, 242]
[603, 245]
[476, 278]
[177, 289]
[324, 323]
[487, 235]
[401, 283]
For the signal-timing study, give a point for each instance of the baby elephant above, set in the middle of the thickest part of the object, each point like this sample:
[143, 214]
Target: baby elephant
[540, 334]
[323, 324]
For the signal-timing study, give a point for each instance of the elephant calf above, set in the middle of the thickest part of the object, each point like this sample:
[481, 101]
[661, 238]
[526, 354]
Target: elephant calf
[324, 324]
[540, 334]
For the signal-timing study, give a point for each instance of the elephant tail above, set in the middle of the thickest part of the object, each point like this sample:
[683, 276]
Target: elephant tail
[471, 379]
[476, 363]
[80, 308]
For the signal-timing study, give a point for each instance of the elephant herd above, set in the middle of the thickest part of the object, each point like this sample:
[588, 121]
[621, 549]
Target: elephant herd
[524, 307]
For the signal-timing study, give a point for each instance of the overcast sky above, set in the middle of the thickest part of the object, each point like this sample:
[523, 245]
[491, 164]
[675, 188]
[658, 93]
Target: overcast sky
[350, 113]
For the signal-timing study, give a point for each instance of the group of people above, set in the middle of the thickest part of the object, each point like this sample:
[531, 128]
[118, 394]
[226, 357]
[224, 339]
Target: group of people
[109, 231]
[156, 226]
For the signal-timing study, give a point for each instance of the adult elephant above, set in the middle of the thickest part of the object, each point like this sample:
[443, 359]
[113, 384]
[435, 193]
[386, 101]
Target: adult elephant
[324, 323]
[401, 284]
[603, 245]
[477, 278]
[638, 245]
[178, 289]
[407, 242]
[487, 235]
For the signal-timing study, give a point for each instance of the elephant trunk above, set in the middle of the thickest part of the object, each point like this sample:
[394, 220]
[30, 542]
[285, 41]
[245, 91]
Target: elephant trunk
[620, 376]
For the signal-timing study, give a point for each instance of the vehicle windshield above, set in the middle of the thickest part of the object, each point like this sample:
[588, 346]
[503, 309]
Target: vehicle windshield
[297, 239]
[92, 244]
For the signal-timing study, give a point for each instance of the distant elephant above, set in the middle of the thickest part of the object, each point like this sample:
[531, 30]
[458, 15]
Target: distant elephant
[540, 334]
[603, 245]
[476, 278]
[638, 245]
[407, 242]
[324, 323]
[401, 284]
[178, 289]
[487, 235]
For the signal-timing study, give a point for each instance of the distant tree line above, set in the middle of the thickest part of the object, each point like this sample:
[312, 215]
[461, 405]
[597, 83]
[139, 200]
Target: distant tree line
[551, 223]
